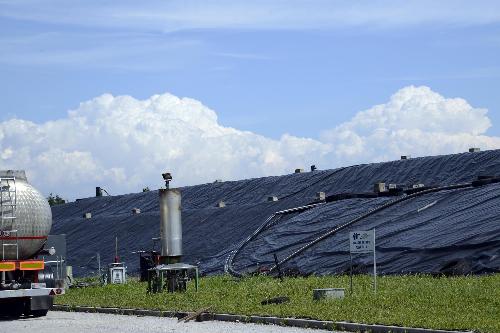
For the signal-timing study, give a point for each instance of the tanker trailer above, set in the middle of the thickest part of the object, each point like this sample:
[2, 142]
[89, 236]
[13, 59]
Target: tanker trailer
[27, 286]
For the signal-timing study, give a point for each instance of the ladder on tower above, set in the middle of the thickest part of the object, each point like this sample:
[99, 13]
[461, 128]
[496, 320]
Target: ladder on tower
[8, 204]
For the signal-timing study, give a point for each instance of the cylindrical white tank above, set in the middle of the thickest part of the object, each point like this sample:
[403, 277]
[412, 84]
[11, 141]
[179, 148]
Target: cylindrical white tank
[170, 223]
[33, 217]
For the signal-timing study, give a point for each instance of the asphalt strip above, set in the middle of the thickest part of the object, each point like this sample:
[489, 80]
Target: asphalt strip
[291, 322]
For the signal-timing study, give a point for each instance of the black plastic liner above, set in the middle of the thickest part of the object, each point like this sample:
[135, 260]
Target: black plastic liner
[445, 232]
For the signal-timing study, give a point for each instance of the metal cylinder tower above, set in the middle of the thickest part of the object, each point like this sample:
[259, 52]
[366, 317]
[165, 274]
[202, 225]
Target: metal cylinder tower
[170, 225]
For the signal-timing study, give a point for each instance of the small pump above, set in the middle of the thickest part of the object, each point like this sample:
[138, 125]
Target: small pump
[117, 271]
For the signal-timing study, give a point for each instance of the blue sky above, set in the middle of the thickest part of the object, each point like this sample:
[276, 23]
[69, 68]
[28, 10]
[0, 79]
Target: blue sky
[270, 86]
[270, 67]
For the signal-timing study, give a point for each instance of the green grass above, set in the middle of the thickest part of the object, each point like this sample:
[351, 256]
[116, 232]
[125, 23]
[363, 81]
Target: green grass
[460, 303]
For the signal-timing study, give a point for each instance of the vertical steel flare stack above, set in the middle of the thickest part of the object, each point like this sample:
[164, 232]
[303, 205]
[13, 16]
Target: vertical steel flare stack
[170, 226]
[170, 273]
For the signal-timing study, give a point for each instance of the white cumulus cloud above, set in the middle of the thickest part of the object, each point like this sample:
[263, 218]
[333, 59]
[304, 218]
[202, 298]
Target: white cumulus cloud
[124, 144]
[415, 121]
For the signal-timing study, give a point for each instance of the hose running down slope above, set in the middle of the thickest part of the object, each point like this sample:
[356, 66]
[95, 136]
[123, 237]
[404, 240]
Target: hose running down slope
[228, 268]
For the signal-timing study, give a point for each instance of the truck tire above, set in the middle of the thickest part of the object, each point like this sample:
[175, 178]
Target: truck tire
[16, 309]
[39, 313]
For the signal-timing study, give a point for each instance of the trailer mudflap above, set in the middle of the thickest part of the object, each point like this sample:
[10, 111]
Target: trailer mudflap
[41, 302]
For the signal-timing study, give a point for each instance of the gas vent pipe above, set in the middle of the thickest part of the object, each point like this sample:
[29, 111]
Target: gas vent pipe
[170, 226]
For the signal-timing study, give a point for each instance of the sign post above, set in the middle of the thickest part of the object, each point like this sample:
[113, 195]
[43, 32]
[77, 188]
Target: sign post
[363, 242]
[350, 270]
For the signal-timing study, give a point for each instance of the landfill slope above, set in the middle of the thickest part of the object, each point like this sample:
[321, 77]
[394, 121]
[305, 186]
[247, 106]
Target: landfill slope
[450, 232]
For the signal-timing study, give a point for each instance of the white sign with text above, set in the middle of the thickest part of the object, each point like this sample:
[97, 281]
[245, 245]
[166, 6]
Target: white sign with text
[362, 241]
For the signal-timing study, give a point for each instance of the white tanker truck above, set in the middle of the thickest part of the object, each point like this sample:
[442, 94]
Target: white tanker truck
[27, 285]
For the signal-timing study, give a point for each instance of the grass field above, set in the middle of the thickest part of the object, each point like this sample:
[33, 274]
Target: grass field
[460, 303]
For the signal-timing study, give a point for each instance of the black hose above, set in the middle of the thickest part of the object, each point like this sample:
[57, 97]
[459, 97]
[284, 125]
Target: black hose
[228, 267]
[369, 213]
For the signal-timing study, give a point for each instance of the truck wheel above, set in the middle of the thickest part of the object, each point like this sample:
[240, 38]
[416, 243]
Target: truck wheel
[16, 309]
[39, 313]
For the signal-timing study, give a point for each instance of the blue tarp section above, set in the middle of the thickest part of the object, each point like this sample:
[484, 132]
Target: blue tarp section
[452, 232]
